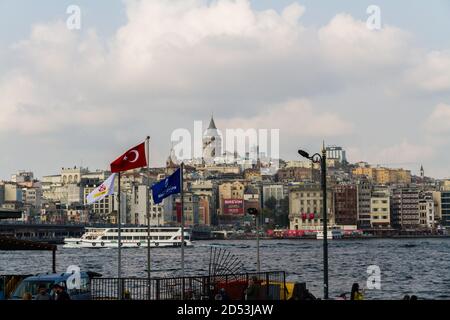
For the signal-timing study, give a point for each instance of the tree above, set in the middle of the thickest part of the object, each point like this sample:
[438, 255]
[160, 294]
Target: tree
[271, 204]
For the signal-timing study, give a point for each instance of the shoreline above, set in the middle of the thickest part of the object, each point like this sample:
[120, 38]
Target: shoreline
[344, 238]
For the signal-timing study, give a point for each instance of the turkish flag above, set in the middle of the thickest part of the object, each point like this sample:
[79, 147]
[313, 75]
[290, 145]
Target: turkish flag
[132, 159]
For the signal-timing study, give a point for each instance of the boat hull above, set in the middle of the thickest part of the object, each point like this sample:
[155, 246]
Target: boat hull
[103, 244]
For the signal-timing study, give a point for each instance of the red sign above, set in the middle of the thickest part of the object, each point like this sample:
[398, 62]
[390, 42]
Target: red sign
[233, 206]
[178, 209]
[295, 233]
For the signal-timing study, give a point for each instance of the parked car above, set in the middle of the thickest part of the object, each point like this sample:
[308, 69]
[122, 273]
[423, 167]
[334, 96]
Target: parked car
[31, 285]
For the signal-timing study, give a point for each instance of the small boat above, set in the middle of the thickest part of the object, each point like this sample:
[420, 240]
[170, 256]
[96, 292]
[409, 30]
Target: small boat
[331, 234]
[131, 237]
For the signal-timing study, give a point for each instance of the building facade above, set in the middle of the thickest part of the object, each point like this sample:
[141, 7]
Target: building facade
[298, 174]
[426, 211]
[306, 207]
[345, 204]
[380, 208]
[445, 204]
[405, 208]
[364, 195]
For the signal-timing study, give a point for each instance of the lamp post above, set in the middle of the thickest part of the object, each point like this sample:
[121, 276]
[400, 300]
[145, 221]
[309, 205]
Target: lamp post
[322, 159]
[254, 212]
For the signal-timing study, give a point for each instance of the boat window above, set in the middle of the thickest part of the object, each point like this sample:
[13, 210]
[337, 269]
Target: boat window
[31, 287]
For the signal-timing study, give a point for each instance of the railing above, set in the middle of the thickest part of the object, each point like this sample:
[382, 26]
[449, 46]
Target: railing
[272, 287]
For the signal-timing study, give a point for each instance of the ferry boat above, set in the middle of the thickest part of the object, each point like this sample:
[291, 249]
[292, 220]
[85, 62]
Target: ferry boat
[331, 234]
[131, 237]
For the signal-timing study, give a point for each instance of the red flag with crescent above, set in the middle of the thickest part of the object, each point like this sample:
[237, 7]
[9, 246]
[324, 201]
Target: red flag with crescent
[132, 159]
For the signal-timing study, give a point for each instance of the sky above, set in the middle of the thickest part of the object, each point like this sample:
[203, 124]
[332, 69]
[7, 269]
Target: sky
[311, 68]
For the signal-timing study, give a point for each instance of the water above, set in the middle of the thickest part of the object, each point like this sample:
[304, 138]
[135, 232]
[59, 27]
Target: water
[408, 266]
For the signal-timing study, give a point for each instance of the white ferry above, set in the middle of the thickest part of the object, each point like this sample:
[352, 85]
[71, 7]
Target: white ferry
[334, 233]
[131, 237]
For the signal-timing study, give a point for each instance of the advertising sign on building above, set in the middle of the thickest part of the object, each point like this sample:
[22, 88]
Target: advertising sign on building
[233, 206]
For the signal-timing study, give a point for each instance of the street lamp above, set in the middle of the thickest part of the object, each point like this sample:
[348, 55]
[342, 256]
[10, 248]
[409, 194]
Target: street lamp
[322, 159]
[254, 212]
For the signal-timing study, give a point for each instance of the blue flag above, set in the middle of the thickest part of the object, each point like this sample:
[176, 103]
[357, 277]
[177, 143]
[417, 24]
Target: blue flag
[168, 186]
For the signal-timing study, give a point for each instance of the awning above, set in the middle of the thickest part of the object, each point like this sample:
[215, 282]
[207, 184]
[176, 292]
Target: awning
[11, 244]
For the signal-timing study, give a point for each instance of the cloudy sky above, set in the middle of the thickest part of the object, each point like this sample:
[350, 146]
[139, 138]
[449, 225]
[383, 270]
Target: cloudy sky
[313, 69]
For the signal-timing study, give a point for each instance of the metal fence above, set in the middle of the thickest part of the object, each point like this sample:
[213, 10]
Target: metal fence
[272, 287]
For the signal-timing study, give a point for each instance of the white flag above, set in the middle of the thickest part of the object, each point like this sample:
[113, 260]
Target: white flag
[102, 191]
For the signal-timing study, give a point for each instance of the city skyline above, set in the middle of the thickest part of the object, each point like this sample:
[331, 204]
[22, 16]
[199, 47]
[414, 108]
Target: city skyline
[77, 97]
[106, 168]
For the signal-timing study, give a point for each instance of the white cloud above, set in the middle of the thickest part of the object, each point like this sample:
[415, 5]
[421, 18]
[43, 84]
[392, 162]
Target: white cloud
[350, 45]
[296, 118]
[432, 73]
[438, 121]
[183, 59]
[404, 154]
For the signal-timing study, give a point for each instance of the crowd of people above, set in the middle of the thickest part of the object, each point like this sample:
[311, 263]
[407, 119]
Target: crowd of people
[252, 292]
[57, 293]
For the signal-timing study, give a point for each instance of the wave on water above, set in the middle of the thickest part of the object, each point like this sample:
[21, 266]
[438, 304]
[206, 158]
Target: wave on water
[408, 245]
[218, 245]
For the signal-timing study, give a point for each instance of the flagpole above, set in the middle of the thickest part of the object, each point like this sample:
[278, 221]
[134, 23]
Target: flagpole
[119, 239]
[182, 218]
[148, 217]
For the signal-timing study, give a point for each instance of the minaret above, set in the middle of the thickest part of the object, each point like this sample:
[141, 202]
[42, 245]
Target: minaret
[422, 172]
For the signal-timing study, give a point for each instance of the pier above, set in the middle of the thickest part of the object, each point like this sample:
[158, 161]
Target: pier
[40, 232]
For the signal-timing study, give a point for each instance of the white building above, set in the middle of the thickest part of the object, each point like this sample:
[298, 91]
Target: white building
[32, 196]
[277, 191]
[75, 194]
[13, 192]
[22, 176]
[426, 212]
[72, 175]
[336, 153]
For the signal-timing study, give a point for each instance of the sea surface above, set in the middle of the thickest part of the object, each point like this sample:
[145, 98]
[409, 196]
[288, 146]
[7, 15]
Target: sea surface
[408, 266]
